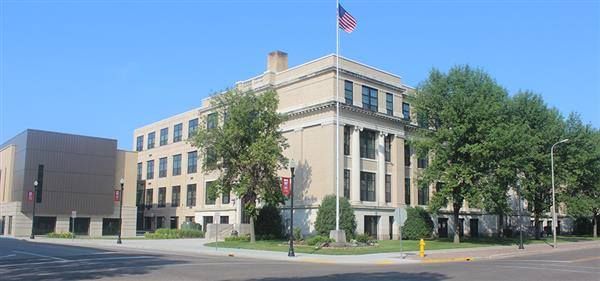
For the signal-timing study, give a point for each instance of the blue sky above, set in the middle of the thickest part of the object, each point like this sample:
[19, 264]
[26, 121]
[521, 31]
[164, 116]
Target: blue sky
[104, 68]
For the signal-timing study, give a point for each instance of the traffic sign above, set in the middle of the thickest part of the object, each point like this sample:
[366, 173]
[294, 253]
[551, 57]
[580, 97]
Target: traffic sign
[285, 186]
[400, 216]
[73, 214]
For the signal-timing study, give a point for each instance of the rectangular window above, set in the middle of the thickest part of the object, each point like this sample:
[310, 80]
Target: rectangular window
[388, 188]
[211, 157]
[211, 121]
[177, 131]
[439, 186]
[224, 219]
[367, 186]
[388, 148]
[207, 199]
[192, 127]
[406, 111]
[149, 199]
[191, 195]
[139, 143]
[424, 194]
[422, 163]
[348, 93]
[347, 140]
[162, 197]
[406, 155]
[192, 165]
[407, 191]
[139, 171]
[151, 138]
[367, 144]
[164, 136]
[177, 165]
[175, 196]
[225, 198]
[150, 169]
[389, 104]
[162, 167]
[347, 183]
[369, 98]
[422, 120]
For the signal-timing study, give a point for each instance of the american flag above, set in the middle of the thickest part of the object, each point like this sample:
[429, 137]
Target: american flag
[346, 20]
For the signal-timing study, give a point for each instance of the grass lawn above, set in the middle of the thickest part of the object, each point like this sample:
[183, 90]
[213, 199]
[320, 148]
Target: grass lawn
[387, 246]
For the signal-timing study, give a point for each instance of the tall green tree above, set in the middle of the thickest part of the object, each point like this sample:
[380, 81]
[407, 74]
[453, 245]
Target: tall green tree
[241, 141]
[462, 107]
[579, 162]
[543, 126]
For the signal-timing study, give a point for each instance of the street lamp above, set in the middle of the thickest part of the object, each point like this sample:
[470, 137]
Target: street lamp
[35, 185]
[291, 249]
[122, 181]
[520, 218]
[554, 219]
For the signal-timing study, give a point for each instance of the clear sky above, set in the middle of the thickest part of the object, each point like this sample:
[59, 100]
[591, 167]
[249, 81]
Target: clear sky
[104, 68]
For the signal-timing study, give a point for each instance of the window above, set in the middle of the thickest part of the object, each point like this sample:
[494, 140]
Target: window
[207, 199]
[225, 198]
[406, 111]
[164, 136]
[406, 155]
[224, 219]
[211, 157]
[139, 144]
[139, 171]
[150, 169]
[192, 165]
[191, 195]
[192, 127]
[347, 140]
[367, 186]
[162, 196]
[423, 194]
[177, 165]
[388, 148]
[177, 132]
[388, 188]
[439, 186]
[369, 98]
[175, 196]
[367, 144]
[211, 121]
[389, 104]
[347, 183]
[162, 167]
[348, 94]
[149, 199]
[422, 163]
[422, 120]
[407, 191]
[151, 137]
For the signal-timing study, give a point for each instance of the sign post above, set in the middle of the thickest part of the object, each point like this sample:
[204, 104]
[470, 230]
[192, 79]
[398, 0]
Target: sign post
[400, 218]
[73, 216]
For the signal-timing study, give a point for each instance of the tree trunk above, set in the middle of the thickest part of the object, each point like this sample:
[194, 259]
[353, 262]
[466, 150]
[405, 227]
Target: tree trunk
[252, 235]
[536, 226]
[456, 222]
[595, 225]
[500, 226]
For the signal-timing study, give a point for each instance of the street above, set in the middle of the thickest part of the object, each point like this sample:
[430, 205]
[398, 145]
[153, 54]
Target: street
[24, 260]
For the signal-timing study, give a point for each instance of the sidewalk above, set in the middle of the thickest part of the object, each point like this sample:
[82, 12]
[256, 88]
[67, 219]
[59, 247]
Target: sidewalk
[196, 247]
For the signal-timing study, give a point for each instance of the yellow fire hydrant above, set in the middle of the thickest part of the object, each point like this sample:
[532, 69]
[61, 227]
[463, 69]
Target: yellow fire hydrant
[422, 248]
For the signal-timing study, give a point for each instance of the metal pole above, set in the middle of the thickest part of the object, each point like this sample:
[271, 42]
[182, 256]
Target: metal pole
[32, 236]
[520, 219]
[120, 214]
[291, 249]
[337, 118]
[554, 219]
[401, 248]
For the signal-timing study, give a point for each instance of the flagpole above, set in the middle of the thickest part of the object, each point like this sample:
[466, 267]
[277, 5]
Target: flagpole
[337, 116]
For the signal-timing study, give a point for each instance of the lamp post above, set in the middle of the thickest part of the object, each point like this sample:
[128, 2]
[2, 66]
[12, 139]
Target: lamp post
[520, 218]
[122, 182]
[35, 185]
[554, 219]
[291, 249]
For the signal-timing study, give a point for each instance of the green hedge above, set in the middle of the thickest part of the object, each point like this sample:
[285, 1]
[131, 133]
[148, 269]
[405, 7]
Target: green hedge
[243, 238]
[418, 224]
[268, 223]
[318, 240]
[61, 235]
[166, 233]
[326, 217]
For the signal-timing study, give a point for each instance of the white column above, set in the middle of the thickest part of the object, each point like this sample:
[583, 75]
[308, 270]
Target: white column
[355, 171]
[380, 192]
[238, 215]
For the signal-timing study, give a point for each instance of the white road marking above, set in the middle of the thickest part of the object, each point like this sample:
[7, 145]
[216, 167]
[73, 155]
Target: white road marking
[542, 261]
[6, 256]
[38, 255]
[554, 269]
[546, 265]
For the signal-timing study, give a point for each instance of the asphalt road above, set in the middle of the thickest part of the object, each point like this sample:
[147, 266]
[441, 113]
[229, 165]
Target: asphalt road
[23, 260]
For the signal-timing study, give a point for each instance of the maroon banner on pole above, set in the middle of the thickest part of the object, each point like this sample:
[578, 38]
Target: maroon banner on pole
[30, 196]
[117, 195]
[285, 186]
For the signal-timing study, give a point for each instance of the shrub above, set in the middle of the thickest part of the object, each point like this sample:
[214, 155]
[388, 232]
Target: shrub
[297, 233]
[268, 223]
[243, 238]
[326, 217]
[582, 226]
[363, 238]
[418, 224]
[166, 233]
[318, 240]
[61, 235]
[191, 225]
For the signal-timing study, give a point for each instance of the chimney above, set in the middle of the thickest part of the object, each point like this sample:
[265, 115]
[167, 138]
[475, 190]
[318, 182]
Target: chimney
[277, 61]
